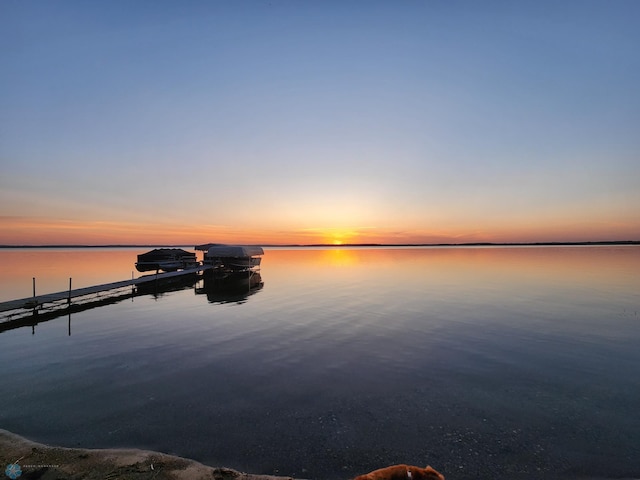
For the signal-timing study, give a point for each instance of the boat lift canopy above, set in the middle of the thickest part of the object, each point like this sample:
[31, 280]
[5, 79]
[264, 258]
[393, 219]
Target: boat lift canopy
[237, 251]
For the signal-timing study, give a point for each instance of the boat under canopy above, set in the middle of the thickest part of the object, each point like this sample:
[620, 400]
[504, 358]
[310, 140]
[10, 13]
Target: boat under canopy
[165, 259]
[234, 257]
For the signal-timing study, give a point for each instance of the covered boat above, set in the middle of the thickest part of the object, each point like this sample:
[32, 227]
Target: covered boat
[165, 259]
[232, 257]
[236, 270]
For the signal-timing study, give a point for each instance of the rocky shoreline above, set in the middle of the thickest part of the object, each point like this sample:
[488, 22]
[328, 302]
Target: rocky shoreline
[31, 460]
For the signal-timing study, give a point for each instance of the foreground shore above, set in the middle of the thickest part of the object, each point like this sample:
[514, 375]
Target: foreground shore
[37, 461]
[43, 462]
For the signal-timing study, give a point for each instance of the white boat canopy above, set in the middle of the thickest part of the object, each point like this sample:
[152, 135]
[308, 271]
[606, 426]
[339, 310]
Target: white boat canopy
[236, 251]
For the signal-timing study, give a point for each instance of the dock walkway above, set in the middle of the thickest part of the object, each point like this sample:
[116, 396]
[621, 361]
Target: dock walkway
[38, 301]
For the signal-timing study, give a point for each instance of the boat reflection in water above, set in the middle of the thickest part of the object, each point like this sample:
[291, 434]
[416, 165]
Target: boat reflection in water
[230, 287]
[159, 286]
[218, 285]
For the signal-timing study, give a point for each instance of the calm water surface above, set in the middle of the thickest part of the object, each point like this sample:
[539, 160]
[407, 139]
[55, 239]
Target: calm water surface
[510, 363]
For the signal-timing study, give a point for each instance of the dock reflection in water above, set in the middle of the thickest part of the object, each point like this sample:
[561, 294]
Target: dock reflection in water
[219, 286]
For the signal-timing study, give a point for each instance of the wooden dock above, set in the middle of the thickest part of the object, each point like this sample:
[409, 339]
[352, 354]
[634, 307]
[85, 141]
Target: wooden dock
[32, 306]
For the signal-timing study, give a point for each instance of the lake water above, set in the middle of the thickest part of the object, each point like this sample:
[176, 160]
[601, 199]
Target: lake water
[486, 362]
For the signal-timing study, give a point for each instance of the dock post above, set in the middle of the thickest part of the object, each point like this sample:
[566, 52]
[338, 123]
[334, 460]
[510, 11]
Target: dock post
[35, 303]
[69, 299]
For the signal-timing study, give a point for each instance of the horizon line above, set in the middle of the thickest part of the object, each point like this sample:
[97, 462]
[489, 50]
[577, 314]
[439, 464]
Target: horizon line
[333, 245]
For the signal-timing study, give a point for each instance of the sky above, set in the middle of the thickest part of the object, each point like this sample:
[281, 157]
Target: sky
[299, 122]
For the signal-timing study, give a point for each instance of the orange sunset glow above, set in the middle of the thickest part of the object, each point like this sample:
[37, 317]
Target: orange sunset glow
[341, 125]
[47, 232]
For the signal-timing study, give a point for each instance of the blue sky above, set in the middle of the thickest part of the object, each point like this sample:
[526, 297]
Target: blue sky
[287, 122]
